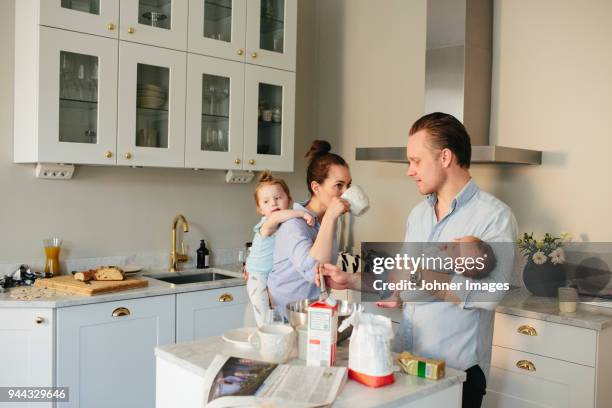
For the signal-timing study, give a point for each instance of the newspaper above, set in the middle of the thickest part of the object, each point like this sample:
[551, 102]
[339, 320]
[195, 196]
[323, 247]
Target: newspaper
[242, 382]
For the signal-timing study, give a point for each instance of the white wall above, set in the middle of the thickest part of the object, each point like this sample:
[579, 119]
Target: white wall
[108, 211]
[552, 90]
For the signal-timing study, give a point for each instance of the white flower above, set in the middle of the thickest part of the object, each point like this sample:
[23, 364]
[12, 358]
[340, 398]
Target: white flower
[557, 256]
[566, 237]
[539, 258]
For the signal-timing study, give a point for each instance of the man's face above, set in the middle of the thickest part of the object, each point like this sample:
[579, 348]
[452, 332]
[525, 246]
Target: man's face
[425, 164]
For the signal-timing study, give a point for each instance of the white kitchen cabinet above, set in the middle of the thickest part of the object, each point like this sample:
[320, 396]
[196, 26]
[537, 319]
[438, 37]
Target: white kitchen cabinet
[151, 118]
[209, 313]
[271, 33]
[105, 351]
[260, 32]
[218, 28]
[162, 23]
[85, 98]
[74, 115]
[536, 363]
[98, 17]
[27, 341]
[269, 119]
[215, 112]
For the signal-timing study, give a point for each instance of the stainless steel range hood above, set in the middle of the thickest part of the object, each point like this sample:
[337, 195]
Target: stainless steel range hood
[458, 80]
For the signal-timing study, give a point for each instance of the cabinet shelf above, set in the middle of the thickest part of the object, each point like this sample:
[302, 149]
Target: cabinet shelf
[264, 124]
[215, 116]
[78, 101]
[270, 25]
[158, 110]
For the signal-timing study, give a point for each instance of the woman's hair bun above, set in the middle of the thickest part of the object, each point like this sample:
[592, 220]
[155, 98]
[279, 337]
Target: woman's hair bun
[317, 148]
[266, 176]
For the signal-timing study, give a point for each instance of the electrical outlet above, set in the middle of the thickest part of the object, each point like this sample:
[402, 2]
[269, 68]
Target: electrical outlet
[239, 176]
[54, 171]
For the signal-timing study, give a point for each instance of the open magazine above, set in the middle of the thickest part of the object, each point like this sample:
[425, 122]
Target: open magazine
[237, 382]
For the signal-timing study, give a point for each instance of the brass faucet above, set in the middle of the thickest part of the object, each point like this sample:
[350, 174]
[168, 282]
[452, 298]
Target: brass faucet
[176, 258]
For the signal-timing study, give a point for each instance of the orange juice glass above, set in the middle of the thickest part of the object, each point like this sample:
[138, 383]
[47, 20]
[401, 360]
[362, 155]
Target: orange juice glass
[52, 251]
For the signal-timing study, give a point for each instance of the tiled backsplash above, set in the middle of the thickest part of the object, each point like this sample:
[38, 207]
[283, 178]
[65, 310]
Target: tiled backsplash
[149, 261]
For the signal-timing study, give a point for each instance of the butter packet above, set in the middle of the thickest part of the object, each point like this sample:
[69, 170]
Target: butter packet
[421, 366]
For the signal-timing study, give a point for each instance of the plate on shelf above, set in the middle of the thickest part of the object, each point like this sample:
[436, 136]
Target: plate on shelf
[239, 337]
[131, 268]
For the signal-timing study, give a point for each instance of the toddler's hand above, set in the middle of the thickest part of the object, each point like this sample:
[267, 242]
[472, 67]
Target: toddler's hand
[308, 218]
[389, 303]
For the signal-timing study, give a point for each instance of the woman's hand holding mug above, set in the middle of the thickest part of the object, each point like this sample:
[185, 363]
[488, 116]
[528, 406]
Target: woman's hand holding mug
[337, 207]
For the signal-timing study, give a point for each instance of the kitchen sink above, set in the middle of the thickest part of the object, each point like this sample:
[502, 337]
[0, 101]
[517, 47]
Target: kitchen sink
[194, 278]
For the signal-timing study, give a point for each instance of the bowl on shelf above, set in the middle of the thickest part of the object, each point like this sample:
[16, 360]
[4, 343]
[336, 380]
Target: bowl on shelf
[150, 102]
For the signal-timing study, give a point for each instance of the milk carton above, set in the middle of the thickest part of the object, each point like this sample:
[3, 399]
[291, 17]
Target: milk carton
[322, 333]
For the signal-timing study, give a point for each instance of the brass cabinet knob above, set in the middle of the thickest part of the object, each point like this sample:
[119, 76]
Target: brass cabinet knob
[226, 297]
[121, 311]
[237, 161]
[108, 154]
[110, 26]
[254, 55]
[130, 30]
[39, 319]
[525, 365]
[128, 155]
[527, 330]
[251, 162]
[240, 51]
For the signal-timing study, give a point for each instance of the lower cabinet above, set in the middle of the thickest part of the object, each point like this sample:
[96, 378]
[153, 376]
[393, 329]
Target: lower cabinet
[105, 351]
[209, 313]
[536, 363]
[26, 341]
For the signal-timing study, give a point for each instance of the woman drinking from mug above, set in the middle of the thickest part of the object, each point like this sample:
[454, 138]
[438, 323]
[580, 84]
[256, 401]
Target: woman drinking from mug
[299, 247]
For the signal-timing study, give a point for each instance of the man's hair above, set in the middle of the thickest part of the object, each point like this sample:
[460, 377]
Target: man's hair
[446, 132]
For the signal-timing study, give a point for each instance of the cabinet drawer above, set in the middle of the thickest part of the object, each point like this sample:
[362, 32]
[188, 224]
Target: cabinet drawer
[552, 383]
[554, 340]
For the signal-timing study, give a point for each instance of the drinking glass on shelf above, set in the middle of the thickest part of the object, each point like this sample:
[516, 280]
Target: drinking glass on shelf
[52, 251]
[211, 91]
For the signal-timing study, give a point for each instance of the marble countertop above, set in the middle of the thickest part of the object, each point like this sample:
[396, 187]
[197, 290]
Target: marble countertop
[54, 298]
[196, 356]
[519, 303]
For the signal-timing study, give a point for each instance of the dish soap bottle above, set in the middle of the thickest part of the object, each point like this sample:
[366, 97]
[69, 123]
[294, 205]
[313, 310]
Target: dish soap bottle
[202, 255]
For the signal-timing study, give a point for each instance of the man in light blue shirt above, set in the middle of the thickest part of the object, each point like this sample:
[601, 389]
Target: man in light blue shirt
[458, 329]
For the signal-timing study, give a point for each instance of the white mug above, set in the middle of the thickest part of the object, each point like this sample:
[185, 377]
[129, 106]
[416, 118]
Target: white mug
[274, 341]
[357, 199]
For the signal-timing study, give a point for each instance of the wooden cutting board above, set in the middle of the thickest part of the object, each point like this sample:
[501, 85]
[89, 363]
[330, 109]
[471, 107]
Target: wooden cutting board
[67, 283]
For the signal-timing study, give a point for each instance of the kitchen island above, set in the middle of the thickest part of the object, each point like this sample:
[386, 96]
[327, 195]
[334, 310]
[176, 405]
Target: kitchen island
[180, 371]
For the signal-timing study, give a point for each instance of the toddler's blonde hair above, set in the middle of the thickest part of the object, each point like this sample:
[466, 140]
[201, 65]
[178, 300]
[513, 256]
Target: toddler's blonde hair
[267, 179]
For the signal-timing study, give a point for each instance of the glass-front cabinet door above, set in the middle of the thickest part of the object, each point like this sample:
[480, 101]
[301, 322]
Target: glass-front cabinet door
[217, 28]
[151, 128]
[77, 98]
[269, 119]
[271, 33]
[155, 22]
[99, 17]
[215, 101]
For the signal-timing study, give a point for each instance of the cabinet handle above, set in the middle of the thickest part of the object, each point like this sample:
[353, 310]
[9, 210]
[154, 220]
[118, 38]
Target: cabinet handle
[251, 162]
[226, 297]
[240, 51]
[130, 30]
[39, 319]
[525, 365]
[254, 55]
[110, 26]
[121, 311]
[237, 161]
[128, 155]
[109, 154]
[527, 330]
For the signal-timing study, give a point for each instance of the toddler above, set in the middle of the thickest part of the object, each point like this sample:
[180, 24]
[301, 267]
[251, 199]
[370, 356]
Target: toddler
[464, 247]
[274, 203]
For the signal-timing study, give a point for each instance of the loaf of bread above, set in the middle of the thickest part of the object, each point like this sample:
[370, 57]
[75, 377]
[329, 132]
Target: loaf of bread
[103, 273]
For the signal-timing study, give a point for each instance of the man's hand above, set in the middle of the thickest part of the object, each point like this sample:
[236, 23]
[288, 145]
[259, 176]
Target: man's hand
[335, 278]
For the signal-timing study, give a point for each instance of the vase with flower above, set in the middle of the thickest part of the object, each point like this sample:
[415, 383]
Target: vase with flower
[544, 271]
